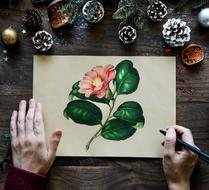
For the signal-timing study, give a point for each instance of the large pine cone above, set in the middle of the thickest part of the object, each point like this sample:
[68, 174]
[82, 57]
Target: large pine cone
[32, 18]
[157, 11]
[176, 32]
[93, 11]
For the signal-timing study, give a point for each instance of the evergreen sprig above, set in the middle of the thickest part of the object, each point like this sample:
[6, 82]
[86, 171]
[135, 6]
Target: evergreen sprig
[197, 4]
[73, 7]
[129, 13]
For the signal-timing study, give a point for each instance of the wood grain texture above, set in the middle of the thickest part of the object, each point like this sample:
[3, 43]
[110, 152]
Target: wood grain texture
[101, 39]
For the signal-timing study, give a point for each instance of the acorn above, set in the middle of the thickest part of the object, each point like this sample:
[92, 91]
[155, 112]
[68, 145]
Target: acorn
[193, 54]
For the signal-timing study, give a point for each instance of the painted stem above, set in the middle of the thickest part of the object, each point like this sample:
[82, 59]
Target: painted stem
[111, 109]
[92, 138]
[97, 134]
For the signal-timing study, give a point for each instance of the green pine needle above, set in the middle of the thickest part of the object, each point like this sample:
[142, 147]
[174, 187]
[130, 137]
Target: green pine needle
[199, 4]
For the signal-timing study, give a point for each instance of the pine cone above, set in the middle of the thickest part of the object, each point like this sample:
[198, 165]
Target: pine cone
[157, 11]
[32, 18]
[176, 32]
[42, 40]
[127, 34]
[93, 11]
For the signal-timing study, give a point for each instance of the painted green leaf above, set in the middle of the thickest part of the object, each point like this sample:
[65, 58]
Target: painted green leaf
[127, 77]
[139, 125]
[83, 112]
[117, 130]
[130, 111]
[110, 95]
[123, 12]
[75, 92]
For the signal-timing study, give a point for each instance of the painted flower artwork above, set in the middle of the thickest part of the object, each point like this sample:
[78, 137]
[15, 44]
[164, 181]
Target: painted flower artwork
[97, 81]
[104, 84]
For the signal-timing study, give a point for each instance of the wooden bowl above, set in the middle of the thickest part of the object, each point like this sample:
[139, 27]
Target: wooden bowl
[193, 54]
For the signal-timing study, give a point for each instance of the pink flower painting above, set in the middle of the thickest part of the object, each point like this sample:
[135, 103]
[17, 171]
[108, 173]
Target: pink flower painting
[97, 81]
[103, 85]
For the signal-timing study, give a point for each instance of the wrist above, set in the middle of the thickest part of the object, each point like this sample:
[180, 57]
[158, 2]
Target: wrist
[179, 186]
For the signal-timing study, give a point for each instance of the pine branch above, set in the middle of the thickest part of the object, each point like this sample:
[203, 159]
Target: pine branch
[148, 2]
[199, 4]
[180, 4]
[129, 13]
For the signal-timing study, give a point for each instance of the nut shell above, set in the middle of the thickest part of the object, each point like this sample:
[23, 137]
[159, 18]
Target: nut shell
[57, 17]
[193, 54]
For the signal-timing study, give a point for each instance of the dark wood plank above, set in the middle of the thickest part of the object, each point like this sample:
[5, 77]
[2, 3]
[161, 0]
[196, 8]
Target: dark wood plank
[101, 39]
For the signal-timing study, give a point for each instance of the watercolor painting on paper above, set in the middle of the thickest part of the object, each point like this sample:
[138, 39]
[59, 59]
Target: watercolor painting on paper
[107, 105]
[104, 84]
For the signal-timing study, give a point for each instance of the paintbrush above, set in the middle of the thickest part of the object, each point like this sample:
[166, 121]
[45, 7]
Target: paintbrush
[202, 155]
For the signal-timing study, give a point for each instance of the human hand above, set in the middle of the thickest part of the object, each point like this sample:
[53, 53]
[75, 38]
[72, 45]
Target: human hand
[30, 150]
[178, 165]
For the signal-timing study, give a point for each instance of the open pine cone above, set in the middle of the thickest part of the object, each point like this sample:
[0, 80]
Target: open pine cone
[32, 18]
[93, 11]
[42, 41]
[176, 32]
[127, 34]
[157, 11]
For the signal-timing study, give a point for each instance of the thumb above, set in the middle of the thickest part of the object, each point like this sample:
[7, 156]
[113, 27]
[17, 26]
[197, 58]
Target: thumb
[170, 142]
[53, 143]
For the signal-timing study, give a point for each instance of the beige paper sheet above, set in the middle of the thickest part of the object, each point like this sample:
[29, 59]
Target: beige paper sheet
[54, 77]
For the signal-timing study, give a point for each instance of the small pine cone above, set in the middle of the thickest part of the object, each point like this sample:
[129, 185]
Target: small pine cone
[93, 11]
[157, 11]
[42, 41]
[32, 18]
[127, 34]
[176, 32]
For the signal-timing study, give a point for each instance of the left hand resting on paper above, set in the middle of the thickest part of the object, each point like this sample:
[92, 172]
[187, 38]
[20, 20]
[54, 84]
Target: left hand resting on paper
[30, 150]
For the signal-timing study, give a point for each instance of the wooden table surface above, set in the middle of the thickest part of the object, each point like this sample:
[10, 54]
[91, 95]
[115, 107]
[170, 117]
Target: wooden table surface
[16, 77]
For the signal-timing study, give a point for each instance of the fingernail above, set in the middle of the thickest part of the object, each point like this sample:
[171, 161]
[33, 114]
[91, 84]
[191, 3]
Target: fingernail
[38, 104]
[32, 100]
[170, 133]
[14, 113]
[32, 103]
[22, 102]
[59, 133]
